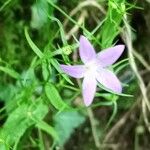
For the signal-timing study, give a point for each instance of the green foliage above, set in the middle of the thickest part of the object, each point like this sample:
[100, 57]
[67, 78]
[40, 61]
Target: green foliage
[10, 72]
[33, 46]
[33, 86]
[65, 123]
[54, 97]
[47, 128]
[56, 65]
[111, 26]
[21, 119]
[39, 17]
[7, 92]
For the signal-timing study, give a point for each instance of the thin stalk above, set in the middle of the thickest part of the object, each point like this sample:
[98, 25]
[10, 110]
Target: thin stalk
[93, 126]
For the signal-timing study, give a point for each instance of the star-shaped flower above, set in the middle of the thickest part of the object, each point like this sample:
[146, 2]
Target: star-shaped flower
[95, 69]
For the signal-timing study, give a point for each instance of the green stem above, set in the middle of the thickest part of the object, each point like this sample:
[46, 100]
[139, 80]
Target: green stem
[93, 126]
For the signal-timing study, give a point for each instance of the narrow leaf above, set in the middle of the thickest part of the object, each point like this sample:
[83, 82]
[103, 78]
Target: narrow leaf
[10, 72]
[54, 97]
[49, 129]
[119, 94]
[55, 63]
[32, 45]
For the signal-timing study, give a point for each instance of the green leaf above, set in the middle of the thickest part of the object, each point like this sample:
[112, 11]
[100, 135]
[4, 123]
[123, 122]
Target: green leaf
[28, 77]
[49, 129]
[66, 122]
[5, 4]
[119, 94]
[62, 33]
[40, 11]
[4, 145]
[54, 97]
[32, 45]
[120, 68]
[39, 17]
[55, 63]
[21, 119]
[7, 92]
[124, 61]
[10, 72]
[46, 70]
[108, 96]
[112, 23]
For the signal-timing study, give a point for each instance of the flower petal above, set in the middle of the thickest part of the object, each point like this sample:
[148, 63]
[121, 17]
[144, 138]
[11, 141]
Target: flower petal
[109, 80]
[86, 50]
[110, 55]
[88, 89]
[76, 71]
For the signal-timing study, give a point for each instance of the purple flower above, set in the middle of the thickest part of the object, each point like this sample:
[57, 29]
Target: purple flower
[95, 69]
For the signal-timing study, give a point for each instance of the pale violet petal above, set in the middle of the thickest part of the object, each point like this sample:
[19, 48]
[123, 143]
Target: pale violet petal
[76, 71]
[86, 50]
[109, 80]
[88, 89]
[110, 55]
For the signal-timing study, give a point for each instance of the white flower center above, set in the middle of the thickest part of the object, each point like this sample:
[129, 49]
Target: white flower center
[91, 67]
